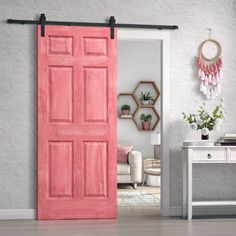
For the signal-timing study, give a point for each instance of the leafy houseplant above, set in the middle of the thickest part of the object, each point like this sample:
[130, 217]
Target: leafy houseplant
[146, 121]
[206, 121]
[125, 109]
[145, 98]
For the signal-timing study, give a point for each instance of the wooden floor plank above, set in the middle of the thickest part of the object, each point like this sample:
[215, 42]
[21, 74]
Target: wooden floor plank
[137, 221]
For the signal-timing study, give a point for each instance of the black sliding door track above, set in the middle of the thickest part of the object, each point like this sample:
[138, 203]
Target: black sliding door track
[111, 24]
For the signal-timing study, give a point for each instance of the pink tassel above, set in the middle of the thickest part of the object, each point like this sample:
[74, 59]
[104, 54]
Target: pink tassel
[210, 75]
[210, 78]
[211, 69]
[214, 68]
[220, 74]
[217, 77]
[214, 80]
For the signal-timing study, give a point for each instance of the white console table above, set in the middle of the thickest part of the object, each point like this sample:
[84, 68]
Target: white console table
[207, 155]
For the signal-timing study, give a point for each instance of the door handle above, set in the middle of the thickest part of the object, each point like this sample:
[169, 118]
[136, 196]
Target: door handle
[209, 156]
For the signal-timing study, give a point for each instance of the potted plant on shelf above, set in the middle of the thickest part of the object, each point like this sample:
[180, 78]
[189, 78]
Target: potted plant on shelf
[146, 121]
[125, 109]
[206, 121]
[146, 98]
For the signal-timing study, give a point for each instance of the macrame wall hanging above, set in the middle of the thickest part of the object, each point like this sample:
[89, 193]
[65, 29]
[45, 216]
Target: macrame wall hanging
[210, 69]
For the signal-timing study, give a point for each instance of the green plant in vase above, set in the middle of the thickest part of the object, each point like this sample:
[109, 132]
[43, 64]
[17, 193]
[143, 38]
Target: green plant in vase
[145, 98]
[206, 121]
[146, 121]
[125, 109]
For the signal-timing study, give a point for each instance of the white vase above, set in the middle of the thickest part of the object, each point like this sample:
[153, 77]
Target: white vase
[145, 102]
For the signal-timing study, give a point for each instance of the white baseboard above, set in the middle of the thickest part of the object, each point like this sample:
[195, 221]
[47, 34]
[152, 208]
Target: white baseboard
[206, 210]
[10, 214]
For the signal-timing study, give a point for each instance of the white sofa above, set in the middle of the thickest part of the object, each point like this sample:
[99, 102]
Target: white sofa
[132, 172]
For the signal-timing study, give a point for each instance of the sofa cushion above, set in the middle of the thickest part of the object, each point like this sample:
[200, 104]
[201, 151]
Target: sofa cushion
[123, 153]
[124, 179]
[123, 169]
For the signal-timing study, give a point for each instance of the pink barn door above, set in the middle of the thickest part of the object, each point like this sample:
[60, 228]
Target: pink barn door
[76, 123]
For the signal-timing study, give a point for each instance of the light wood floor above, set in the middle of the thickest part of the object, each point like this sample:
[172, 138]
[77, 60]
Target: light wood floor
[132, 221]
[137, 221]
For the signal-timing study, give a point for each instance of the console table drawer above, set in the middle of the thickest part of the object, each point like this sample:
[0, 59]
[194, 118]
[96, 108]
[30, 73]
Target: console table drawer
[232, 155]
[210, 155]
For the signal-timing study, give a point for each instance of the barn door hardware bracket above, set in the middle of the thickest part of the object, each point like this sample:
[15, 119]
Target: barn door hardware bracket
[111, 24]
[42, 20]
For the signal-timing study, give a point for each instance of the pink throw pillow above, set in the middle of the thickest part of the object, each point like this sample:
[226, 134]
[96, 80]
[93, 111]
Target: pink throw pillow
[123, 153]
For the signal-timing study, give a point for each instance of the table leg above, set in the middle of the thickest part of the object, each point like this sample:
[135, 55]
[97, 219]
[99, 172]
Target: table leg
[190, 180]
[184, 204]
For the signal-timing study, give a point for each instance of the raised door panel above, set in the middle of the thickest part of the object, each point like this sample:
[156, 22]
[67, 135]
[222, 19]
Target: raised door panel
[60, 45]
[95, 46]
[95, 164]
[60, 94]
[60, 169]
[95, 99]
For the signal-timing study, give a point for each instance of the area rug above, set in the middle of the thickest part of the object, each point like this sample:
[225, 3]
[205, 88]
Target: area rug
[136, 199]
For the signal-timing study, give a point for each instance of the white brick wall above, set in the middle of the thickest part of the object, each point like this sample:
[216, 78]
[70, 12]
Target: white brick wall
[18, 82]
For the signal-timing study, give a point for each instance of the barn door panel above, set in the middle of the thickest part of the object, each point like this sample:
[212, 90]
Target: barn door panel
[76, 123]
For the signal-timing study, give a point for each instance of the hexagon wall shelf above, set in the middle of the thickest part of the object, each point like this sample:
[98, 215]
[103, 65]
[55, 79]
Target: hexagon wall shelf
[155, 118]
[152, 87]
[132, 101]
[139, 107]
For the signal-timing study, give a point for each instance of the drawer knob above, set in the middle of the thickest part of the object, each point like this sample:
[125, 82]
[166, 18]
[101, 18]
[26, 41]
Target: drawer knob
[209, 156]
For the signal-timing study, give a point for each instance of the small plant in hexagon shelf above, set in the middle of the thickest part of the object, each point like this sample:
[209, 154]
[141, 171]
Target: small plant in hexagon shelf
[125, 109]
[146, 121]
[146, 98]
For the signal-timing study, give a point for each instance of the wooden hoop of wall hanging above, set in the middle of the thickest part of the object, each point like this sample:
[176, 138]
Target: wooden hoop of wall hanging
[219, 50]
[210, 70]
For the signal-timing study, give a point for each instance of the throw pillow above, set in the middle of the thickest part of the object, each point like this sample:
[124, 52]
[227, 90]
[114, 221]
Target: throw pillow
[123, 153]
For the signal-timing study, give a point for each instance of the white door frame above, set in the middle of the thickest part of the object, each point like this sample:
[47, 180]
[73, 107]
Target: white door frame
[163, 36]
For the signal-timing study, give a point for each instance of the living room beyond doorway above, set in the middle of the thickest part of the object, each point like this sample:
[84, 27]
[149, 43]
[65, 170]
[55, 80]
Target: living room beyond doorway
[139, 125]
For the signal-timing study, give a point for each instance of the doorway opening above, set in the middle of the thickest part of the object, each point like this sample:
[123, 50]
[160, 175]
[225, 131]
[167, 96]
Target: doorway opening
[141, 69]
